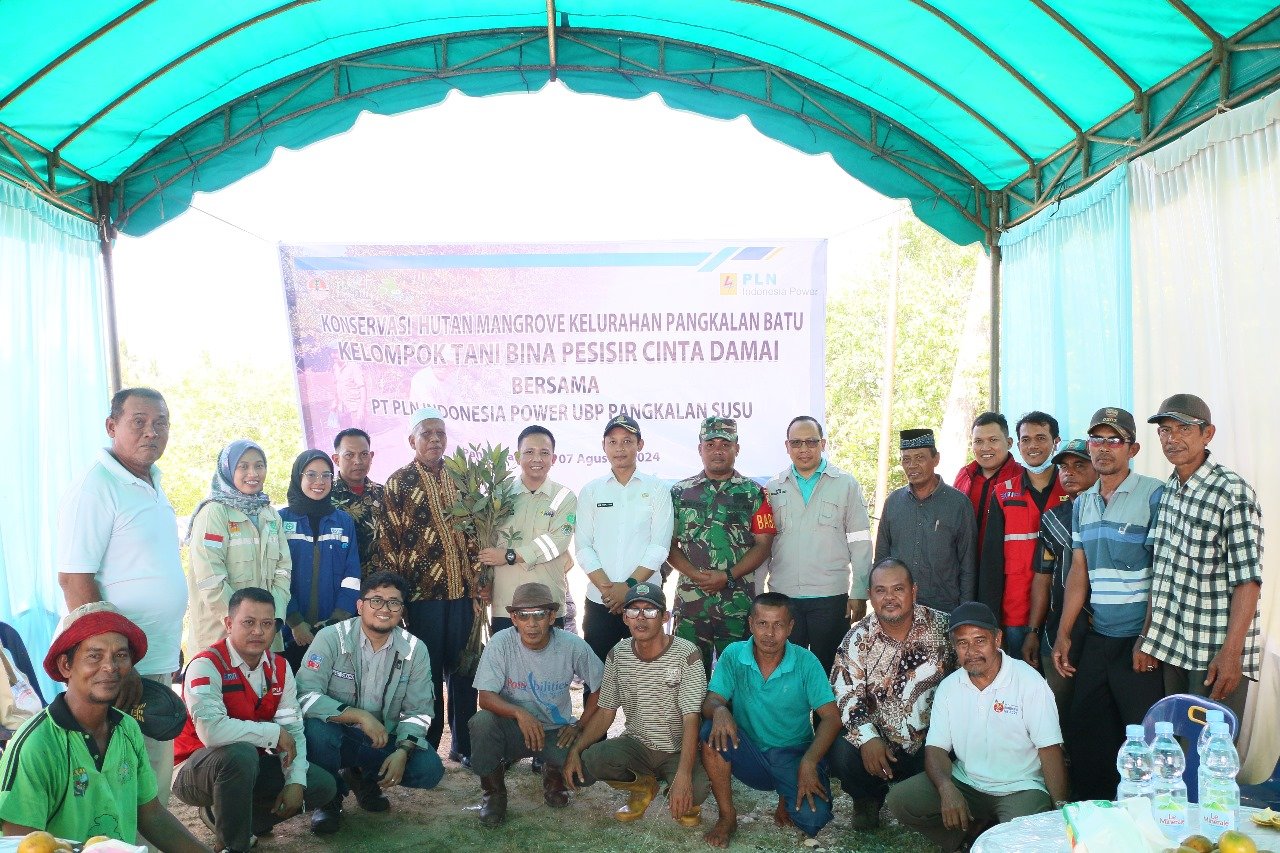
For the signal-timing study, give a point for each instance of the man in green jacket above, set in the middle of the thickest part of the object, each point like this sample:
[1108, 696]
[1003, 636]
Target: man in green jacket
[366, 697]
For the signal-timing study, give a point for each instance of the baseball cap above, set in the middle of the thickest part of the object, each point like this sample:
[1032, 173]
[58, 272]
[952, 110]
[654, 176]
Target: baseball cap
[651, 593]
[626, 422]
[1074, 447]
[973, 613]
[1118, 419]
[714, 427]
[1184, 408]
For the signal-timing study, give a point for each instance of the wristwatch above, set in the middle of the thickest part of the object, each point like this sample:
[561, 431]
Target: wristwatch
[408, 745]
[632, 581]
[511, 556]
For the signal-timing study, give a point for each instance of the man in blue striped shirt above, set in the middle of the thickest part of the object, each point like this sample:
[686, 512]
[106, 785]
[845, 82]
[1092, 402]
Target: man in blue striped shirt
[1111, 565]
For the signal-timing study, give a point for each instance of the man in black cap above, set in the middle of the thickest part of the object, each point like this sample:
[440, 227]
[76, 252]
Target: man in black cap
[523, 683]
[1052, 562]
[1207, 564]
[997, 715]
[929, 525]
[623, 534]
[658, 682]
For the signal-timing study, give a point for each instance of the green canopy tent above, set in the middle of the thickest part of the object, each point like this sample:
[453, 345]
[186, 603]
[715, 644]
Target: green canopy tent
[979, 114]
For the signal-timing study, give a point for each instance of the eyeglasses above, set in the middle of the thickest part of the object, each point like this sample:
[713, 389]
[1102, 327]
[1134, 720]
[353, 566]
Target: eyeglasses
[637, 612]
[1107, 440]
[1180, 430]
[324, 477]
[797, 443]
[377, 602]
[531, 614]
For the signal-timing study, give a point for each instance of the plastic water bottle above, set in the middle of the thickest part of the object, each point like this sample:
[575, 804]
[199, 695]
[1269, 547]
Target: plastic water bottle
[1135, 764]
[1169, 792]
[1210, 717]
[1218, 790]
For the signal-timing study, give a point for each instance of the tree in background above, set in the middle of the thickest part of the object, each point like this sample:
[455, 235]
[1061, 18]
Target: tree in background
[936, 281]
[210, 405]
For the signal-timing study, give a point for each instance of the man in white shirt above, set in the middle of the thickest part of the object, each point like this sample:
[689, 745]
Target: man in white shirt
[624, 530]
[243, 753]
[118, 542]
[999, 717]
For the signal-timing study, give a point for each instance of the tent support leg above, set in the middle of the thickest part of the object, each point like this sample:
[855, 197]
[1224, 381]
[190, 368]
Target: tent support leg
[106, 240]
[995, 327]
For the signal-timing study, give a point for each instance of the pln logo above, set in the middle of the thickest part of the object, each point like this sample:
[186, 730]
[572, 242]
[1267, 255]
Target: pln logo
[728, 284]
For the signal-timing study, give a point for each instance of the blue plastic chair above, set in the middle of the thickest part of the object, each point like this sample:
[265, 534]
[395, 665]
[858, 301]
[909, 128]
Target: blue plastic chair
[1264, 794]
[1187, 713]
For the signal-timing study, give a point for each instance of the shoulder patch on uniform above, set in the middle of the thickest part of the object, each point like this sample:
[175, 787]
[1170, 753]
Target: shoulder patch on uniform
[290, 527]
[314, 660]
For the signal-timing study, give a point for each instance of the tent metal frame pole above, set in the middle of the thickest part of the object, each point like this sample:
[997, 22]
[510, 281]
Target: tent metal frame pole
[106, 242]
[995, 204]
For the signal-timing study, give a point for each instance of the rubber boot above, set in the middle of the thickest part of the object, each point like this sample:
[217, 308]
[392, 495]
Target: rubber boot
[553, 790]
[642, 792]
[493, 807]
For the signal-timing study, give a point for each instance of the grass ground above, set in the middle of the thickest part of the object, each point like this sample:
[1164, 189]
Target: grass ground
[444, 819]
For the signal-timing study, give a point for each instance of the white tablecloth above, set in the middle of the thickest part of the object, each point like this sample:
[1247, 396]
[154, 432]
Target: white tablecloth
[1047, 833]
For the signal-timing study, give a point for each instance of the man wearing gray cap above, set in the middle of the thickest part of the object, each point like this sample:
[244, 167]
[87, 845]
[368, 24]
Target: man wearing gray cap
[525, 708]
[417, 539]
[929, 525]
[1202, 625]
[1111, 567]
[998, 717]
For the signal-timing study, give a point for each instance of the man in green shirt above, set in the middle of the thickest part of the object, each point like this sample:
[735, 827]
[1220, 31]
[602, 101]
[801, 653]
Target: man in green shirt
[760, 702]
[79, 768]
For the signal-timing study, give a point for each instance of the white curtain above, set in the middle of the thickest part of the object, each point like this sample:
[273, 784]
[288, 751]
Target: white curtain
[1206, 296]
[53, 379]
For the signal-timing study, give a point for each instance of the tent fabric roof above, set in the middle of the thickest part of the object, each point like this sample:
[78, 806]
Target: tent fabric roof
[979, 113]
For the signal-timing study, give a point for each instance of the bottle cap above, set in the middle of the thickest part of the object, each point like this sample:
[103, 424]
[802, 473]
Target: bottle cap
[1214, 716]
[1164, 728]
[1218, 729]
[1135, 731]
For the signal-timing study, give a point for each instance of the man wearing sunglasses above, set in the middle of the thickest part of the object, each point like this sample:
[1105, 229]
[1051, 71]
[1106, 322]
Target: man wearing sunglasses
[658, 682]
[1115, 683]
[526, 710]
[366, 694]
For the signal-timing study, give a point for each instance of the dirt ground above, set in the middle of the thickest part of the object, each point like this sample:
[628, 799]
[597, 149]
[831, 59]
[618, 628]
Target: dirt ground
[445, 819]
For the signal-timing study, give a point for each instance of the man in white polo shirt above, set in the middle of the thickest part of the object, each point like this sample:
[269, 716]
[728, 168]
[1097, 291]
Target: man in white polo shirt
[118, 542]
[623, 536]
[999, 717]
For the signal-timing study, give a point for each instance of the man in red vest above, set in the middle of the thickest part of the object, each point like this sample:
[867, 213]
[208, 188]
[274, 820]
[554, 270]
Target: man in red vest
[1008, 549]
[242, 755]
[991, 463]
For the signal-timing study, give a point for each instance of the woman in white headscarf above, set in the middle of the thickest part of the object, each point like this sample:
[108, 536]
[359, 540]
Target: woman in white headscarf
[236, 540]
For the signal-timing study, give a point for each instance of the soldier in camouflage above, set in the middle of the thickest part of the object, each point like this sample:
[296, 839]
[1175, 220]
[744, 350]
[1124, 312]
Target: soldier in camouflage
[723, 531]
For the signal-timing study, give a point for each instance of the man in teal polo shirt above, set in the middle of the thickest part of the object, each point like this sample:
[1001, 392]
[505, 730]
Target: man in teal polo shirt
[758, 727]
[79, 768]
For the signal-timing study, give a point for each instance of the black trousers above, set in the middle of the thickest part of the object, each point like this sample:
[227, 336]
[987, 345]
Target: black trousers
[821, 624]
[845, 761]
[444, 627]
[1109, 695]
[602, 630]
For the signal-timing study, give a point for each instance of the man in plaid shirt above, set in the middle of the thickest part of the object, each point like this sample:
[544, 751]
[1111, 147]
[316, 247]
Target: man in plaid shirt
[1202, 623]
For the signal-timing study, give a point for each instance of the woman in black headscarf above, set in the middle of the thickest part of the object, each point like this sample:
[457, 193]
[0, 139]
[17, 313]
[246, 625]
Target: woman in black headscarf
[326, 563]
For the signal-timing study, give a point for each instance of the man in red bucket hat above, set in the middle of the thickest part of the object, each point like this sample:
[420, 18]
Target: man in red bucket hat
[79, 768]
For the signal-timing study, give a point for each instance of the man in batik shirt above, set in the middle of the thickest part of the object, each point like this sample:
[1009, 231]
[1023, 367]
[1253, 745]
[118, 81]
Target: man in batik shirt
[417, 540]
[355, 494]
[724, 530]
[885, 673]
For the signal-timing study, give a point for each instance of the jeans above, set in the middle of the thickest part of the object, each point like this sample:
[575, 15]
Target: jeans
[337, 746]
[777, 770]
[444, 627]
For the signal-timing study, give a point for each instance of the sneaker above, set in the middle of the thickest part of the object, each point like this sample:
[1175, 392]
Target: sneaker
[458, 757]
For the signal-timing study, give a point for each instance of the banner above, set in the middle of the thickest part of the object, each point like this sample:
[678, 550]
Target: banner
[567, 336]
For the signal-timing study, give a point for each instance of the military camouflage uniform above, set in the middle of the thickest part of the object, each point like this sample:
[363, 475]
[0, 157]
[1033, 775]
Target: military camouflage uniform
[715, 526]
[363, 509]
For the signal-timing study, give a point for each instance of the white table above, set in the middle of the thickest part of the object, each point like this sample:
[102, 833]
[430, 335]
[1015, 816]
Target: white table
[1047, 833]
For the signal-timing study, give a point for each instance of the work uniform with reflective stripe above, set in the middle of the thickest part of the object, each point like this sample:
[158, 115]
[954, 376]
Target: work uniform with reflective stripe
[542, 525]
[326, 568]
[1009, 548]
[823, 545]
[332, 678]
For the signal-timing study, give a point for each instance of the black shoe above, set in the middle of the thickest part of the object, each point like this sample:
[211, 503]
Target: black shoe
[454, 755]
[537, 764]
[368, 794]
[328, 818]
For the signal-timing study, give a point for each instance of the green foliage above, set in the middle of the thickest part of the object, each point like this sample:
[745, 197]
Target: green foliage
[935, 281]
[486, 493]
[210, 406]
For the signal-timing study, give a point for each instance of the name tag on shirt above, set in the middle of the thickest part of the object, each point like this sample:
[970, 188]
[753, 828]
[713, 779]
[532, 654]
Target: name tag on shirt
[601, 506]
